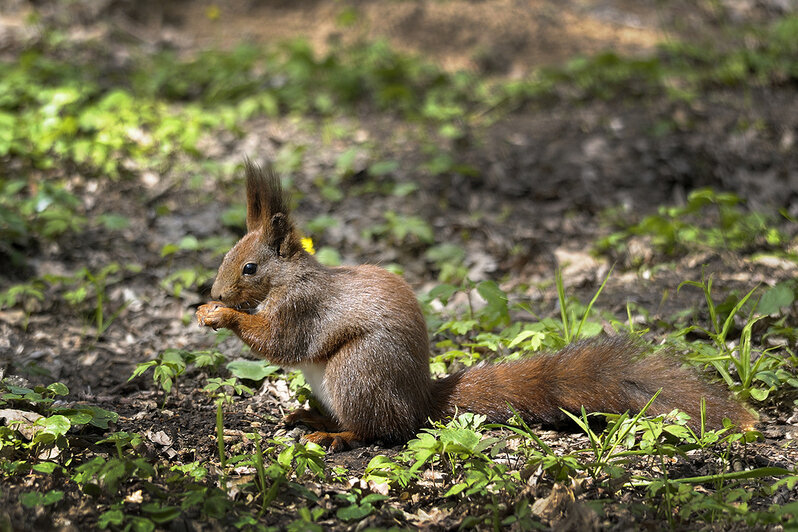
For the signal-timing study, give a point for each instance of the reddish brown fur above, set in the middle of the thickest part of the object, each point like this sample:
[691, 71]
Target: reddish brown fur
[364, 327]
[611, 375]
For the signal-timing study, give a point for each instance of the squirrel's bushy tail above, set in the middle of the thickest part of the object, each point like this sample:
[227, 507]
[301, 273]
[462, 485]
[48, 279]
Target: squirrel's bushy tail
[603, 376]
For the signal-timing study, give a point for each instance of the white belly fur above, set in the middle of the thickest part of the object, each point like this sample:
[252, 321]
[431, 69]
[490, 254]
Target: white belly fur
[314, 376]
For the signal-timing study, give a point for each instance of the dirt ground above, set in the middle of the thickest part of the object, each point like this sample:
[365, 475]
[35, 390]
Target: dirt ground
[544, 177]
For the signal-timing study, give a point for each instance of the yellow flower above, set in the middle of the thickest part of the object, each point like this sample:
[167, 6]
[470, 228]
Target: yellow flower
[307, 245]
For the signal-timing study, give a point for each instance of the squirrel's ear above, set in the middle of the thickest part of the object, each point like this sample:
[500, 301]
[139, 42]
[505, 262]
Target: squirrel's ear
[282, 237]
[264, 195]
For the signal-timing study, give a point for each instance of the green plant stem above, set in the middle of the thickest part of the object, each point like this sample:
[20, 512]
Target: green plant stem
[220, 433]
[261, 475]
[735, 475]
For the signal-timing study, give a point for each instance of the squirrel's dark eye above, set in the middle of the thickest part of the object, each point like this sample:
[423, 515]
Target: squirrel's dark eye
[250, 268]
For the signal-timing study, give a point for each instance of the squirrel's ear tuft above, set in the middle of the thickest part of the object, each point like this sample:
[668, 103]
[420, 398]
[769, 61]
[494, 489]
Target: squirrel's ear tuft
[282, 237]
[264, 195]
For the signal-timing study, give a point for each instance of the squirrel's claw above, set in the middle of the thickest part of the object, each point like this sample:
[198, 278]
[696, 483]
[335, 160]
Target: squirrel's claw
[209, 314]
[334, 441]
[311, 418]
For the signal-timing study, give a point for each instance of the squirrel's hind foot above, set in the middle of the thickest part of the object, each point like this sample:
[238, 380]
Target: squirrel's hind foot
[327, 433]
[311, 418]
[334, 441]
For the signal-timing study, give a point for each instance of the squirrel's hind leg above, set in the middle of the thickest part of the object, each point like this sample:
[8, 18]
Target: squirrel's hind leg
[334, 441]
[313, 419]
[329, 434]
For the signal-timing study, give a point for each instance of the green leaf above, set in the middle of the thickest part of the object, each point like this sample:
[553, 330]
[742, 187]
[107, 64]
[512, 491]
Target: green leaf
[354, 512]
[404, 189]
[111, 517]
[169, 249]
[163, 375]
[76, 417]
[113, 221]
[443, 292]
[534, 339]
[496, 310]
[53, 496]
[373, 497]
[45, 467]
[328, 256]
[216, 505]
[454, 490]
[7, 122]
[413, 225]
[17, 390]
[100, 416]
[463, 326]
[141, 524]
[760, 472]
[141, 368]
[759, 394]
[161, 514]
[32, 499]
[321, 223]
[776, 298]
[189, 243]
[285, 457]
[235, 216]
[208, 358]
[93, 415]
[55, 425]
[58, 388]
[468, 439]
[382, 168]
[254, 370]
[446, 252]
[345, 163]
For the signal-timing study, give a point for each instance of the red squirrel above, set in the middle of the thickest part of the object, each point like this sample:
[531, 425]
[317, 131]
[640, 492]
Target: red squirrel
[359, 336]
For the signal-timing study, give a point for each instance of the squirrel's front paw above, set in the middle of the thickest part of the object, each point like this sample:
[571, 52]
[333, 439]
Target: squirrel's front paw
[212, 314]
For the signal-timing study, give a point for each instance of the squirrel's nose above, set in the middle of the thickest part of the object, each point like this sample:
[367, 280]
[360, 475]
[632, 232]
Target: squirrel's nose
[216, 291]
